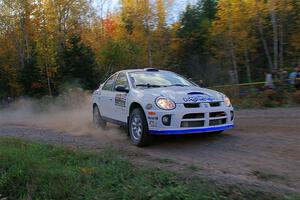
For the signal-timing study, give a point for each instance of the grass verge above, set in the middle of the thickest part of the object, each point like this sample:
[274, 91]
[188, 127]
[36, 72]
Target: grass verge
[38, 171]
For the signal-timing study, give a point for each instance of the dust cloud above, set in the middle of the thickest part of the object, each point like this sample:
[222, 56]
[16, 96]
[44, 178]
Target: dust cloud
[70, 112]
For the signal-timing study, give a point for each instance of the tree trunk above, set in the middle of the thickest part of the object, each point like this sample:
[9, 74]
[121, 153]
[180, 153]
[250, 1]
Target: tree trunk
[281, 40]
[267, 52]
[233, 58]
[48, 80]
[232, 52]
[49, 86]
[20, 49]
[248, 69]
[149, 41]
[150, 62]
[234, 65]
[231, 76]
[275, 34]
[21, 42]
[261, 33]
[100, 7]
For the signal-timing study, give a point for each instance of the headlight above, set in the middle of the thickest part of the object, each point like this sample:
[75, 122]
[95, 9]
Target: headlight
[165, 103]
[227, 101]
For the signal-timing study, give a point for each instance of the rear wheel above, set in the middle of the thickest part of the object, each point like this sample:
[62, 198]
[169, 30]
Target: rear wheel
[138, 128]
[97, 118]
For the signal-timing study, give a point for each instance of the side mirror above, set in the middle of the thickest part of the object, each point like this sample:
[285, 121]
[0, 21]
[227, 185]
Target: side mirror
[121, 88]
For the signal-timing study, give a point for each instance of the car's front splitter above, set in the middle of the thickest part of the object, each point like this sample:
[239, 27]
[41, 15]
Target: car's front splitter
[190, 131]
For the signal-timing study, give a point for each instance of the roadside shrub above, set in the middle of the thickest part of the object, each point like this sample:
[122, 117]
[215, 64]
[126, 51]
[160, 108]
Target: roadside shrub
[250, 101]
[269, 98]
[296, 97]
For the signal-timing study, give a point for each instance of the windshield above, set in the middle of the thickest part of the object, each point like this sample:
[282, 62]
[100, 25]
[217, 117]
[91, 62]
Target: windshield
[157, 79]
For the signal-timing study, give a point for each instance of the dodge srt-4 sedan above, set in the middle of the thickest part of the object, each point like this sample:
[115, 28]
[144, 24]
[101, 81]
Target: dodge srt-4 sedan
[157, 102]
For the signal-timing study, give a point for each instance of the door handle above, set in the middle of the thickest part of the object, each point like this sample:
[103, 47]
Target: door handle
[110, 99]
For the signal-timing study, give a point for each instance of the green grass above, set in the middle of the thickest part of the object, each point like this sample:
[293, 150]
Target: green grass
[37, 171]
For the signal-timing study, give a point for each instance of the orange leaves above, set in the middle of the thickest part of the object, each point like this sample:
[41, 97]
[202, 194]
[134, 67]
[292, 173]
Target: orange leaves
[110, 24]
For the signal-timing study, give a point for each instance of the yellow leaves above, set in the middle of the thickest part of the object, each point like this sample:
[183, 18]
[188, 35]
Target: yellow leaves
[295, 41]
[46, 54]
[87, 170]
[235, 20]
[144, 23]
[161, 15]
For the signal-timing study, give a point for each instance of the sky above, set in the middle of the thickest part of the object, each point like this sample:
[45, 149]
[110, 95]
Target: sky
[178, 7]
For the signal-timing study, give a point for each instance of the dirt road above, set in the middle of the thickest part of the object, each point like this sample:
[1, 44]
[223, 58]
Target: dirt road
[263, 150]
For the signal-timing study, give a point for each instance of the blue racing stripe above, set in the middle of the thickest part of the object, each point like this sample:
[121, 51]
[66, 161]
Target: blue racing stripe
[186, 131]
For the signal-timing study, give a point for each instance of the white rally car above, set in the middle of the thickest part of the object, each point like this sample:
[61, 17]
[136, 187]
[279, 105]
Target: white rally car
[157, 102]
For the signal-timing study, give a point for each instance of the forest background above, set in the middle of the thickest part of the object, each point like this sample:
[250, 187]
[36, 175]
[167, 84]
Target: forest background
[46, 45]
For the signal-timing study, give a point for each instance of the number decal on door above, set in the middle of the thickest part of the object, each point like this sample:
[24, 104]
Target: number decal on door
[120, 100]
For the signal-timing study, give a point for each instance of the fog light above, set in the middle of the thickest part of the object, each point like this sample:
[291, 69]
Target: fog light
[166, 120]
[232, 115]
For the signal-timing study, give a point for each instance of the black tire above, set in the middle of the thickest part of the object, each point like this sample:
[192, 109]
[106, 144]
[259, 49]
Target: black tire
[97, 118]
[138, 128]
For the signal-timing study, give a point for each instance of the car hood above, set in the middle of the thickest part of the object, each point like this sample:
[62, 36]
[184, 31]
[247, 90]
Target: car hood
[191, 94]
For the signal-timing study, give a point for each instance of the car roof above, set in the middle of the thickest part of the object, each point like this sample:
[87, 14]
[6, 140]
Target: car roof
[141, 70]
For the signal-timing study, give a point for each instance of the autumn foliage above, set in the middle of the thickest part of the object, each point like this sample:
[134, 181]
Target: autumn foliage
[47, 44]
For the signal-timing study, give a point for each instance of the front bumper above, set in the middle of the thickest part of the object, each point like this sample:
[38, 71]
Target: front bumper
[181, 123]
[190, 131]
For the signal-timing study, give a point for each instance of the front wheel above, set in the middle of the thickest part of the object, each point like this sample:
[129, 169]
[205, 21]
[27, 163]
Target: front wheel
[138, 128]
[97, 118]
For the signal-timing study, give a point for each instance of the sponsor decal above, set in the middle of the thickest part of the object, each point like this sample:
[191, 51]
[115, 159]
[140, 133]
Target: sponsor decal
[120, 100]
[153, 123]
[198, 98]
[151, 113]
[152, 118]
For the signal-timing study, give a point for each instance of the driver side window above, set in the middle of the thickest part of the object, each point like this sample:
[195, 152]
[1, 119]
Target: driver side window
[122, 80]
[109, 83]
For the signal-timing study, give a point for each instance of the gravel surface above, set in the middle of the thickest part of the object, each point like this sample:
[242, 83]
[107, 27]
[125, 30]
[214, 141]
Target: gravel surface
[263, 150]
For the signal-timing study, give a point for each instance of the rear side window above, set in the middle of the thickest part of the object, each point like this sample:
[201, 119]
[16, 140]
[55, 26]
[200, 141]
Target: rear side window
[109, 83]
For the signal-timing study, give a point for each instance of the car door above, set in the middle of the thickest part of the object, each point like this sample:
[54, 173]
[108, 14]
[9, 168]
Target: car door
[106, 104]
[120, 98]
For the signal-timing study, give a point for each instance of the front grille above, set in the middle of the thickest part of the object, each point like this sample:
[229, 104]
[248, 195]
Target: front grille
[198, 105]
[193, 116]
[216, 122]
[217, 114]
[192, 124]
[191, 105]
[215, 104]
[204, 119]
